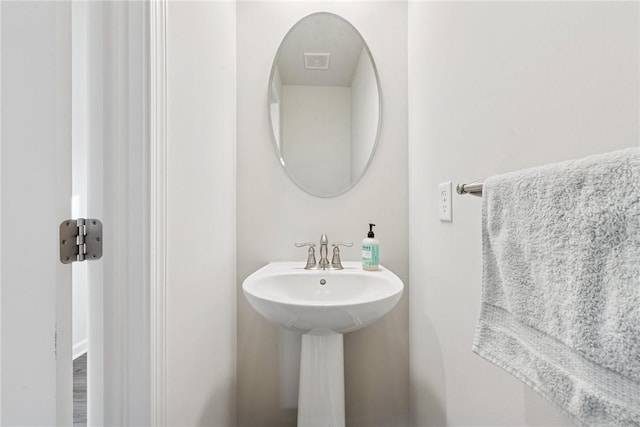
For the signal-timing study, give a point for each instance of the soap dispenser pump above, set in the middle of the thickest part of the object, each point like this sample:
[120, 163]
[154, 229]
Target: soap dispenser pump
[370, 251]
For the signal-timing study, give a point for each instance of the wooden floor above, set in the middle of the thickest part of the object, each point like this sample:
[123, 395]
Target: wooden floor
[80, 391]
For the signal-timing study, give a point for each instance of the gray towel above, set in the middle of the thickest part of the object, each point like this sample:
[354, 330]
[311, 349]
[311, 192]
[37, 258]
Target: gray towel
[561, 284]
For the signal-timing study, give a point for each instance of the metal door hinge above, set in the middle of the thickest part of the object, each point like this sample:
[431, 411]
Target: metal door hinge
[80, 240]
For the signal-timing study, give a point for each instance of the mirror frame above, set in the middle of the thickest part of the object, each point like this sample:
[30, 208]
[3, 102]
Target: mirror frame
[379, 126]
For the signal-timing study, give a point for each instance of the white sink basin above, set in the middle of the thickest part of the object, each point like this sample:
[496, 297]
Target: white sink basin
[333, 300]
[322, 304]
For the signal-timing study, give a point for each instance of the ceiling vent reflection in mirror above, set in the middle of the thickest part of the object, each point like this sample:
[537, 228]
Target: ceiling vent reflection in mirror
[316, 61]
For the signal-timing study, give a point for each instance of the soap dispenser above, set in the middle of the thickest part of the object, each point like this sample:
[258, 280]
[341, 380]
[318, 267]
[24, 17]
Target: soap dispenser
[370, 251]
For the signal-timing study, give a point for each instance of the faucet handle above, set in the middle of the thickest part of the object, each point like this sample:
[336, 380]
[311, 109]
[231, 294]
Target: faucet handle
[336, 244]
[302, 245]
[335, 260]
[311, 259]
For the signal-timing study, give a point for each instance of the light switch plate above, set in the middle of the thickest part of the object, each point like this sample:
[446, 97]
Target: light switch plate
[444, 201]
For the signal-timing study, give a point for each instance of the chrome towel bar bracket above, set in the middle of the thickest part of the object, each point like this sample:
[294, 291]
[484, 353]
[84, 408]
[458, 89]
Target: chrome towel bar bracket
[474, 188]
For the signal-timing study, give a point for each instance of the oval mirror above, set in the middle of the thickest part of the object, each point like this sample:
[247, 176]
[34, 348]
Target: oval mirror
[324, 103]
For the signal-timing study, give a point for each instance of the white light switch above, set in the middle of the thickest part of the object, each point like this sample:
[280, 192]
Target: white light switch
[444, 201]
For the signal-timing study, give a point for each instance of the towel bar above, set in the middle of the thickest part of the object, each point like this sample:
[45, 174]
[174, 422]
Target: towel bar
[474, 188]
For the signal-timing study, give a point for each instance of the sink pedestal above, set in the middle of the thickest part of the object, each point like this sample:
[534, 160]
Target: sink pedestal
[321, 394]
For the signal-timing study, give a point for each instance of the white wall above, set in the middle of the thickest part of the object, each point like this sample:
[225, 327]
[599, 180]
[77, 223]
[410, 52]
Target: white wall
[365, 110]
[201, 270]
[316, 136]
[494, 87]
[273, 213]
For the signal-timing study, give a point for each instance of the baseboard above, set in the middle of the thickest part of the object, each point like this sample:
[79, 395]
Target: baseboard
[80, 348]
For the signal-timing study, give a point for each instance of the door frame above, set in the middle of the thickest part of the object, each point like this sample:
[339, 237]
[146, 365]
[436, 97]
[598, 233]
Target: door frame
[134, 384]
[130, 374]
[158, 210]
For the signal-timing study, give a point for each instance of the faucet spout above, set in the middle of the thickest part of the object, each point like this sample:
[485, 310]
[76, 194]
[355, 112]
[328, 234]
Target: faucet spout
[324, 252]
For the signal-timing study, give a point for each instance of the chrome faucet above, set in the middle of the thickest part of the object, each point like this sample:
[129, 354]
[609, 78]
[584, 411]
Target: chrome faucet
[324, 251]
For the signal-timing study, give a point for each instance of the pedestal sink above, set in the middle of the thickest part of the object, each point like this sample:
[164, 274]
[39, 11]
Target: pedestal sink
[322, 305]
